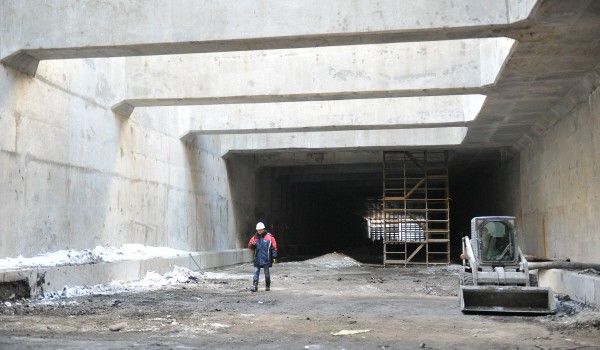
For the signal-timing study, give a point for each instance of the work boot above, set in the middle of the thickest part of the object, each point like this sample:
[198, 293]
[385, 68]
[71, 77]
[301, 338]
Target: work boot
[268, 285]
[254, 286]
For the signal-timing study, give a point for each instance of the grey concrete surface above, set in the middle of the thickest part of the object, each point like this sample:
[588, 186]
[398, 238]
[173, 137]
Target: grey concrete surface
[559, 180]
[75, 174]
[396, 113]
[55, 278]
[584, 288]
[344, 140]
[315, 74]
[81, 30]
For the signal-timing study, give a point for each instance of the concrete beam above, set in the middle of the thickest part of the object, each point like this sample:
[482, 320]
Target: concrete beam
[157, 27]
[387, 113]
[313, 74]
[317, 159]
[341, 140]
[125, 108]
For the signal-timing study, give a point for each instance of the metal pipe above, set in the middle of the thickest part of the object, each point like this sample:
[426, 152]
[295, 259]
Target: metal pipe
[565, 265]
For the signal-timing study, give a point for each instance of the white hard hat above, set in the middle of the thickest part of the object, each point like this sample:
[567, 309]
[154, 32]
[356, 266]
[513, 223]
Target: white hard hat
[260, 226]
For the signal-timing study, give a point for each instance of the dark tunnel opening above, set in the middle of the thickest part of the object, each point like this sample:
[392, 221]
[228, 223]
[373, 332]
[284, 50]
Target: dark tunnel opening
[321, 209]
[331, 217]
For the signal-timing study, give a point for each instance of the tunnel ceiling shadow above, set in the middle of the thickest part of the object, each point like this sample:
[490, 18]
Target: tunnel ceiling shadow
[355, 179]
[331, 194]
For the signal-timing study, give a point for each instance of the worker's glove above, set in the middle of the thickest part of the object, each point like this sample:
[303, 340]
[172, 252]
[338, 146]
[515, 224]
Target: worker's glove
[274, 261]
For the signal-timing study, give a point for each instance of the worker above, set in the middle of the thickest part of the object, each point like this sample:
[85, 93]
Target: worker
[488, 250]
[264, 247]
[495, 246]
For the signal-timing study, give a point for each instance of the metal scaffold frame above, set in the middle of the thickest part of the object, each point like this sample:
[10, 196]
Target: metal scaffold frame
[416, 212]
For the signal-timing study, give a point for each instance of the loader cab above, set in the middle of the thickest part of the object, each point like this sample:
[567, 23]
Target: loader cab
[496, 241]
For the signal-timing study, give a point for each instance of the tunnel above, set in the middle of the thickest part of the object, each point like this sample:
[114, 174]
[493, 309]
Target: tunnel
[323, 203]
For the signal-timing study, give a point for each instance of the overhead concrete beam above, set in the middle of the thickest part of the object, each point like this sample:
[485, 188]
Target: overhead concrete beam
[157, 27]
[126, 107]
[341, 140]
[386, 113]
[315, 74]
[317, 159]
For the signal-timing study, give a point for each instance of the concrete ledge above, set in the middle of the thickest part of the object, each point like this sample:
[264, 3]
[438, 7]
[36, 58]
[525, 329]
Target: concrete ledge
[123, 109]
[344, 140]
[22, 61]
[49, 279]
[579, 287]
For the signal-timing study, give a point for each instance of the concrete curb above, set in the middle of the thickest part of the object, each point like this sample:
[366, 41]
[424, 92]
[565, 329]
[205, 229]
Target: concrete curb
[579, 287]
[48, 279]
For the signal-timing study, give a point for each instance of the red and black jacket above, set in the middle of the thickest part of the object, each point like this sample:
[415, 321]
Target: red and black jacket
[265, 249]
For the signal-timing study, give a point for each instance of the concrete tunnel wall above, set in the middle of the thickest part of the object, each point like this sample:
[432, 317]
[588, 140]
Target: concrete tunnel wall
[552, 186]
[560, 182]
[75, 176]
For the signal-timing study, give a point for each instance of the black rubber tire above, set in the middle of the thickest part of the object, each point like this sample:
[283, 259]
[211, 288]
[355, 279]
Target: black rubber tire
[533, 281]
[467, 279]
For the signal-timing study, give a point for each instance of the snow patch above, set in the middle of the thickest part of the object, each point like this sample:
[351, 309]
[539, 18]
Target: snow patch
[93, 256]
[152, 280]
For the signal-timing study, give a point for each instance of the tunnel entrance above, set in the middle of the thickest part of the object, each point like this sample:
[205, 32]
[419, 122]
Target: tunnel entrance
[324, 208]
[358, 210]
[332, 217]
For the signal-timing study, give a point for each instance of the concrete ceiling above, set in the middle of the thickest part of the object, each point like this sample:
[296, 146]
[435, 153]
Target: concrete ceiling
[552, 66]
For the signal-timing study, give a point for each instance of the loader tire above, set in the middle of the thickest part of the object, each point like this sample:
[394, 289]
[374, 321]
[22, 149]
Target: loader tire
[533, 281]
[467, 279]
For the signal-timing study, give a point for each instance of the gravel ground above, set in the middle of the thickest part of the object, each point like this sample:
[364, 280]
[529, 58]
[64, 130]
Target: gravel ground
[330, 302]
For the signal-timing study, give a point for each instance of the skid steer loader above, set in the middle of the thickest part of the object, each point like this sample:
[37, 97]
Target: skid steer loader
[495, 276]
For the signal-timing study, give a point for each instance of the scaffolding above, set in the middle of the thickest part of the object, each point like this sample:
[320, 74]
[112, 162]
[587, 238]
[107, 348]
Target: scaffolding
[416, 221]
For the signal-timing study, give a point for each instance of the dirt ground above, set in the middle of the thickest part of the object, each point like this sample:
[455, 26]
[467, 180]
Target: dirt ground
[330, 302]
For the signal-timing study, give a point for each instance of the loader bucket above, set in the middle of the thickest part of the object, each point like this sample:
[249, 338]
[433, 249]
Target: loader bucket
[506, 299]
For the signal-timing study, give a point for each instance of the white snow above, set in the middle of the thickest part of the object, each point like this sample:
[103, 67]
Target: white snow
[152, 280]
[107, 254]
[87, 256]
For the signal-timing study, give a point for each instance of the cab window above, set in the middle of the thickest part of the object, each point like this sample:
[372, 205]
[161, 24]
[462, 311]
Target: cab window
[496, 242]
